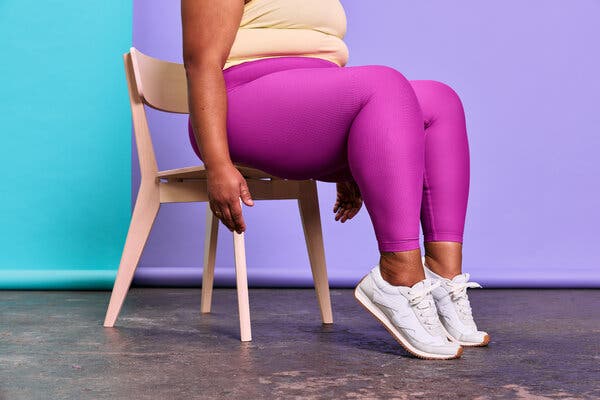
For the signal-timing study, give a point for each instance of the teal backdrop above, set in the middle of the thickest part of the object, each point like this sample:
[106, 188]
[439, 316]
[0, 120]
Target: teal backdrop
[66, 142]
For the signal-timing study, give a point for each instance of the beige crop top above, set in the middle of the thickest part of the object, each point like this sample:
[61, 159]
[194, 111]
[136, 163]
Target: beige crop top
[276, 28]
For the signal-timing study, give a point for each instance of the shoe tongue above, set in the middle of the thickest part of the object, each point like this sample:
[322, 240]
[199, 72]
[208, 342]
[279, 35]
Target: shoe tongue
[460, 278]
[420, 285]
[406, 290]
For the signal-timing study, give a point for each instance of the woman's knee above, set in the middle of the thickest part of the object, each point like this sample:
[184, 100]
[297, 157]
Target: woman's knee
[391, 109]
[390, 92]
[437, 95]
[385, 79]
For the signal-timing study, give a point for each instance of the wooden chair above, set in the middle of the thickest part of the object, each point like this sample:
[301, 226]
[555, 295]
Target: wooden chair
[162, 85]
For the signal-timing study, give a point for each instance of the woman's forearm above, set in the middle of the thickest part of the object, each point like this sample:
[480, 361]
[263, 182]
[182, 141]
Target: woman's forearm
[207, 98]
[209, 29]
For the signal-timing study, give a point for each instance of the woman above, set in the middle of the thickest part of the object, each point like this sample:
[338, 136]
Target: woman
[268, 88]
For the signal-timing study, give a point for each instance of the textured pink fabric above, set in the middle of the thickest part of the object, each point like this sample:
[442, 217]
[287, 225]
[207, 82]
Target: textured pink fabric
[403, 142]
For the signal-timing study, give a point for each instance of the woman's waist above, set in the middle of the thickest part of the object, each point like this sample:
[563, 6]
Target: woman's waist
[250, 44]
[249, 70]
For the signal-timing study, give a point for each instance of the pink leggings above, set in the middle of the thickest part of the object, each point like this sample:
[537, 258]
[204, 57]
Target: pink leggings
[403, 142]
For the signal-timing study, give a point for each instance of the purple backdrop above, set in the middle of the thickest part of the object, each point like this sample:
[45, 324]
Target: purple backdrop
[528, 75]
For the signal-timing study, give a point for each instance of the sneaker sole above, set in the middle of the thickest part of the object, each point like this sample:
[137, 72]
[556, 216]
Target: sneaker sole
[486, 339]
[363, 300]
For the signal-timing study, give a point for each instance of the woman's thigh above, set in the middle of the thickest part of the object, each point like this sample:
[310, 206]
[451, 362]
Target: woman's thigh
[293, 123]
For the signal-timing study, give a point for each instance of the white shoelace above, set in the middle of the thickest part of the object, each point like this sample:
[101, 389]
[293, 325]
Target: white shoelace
[422, 301]
[458, 294]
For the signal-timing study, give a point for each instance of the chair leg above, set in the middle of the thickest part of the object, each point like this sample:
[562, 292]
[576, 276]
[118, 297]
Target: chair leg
[144, 213]
[210, 253]
[308, 203]
[242, 286]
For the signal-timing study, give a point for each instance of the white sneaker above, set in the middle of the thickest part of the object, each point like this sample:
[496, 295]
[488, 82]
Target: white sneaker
[409, 314]
[454, 308]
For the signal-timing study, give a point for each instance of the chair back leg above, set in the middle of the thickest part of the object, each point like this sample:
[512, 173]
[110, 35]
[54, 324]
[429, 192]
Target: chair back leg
[308, 204]
[210, 253]
[144, 213]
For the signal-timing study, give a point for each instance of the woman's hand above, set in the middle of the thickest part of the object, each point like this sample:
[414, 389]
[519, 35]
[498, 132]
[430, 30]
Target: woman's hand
[348, 202]
[226, 186]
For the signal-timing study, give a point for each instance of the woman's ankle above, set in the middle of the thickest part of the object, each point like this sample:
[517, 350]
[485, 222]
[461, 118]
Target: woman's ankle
[444, 258]
[402, 268]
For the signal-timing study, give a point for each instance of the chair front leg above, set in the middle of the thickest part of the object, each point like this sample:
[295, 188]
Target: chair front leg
[144, 213]
[308, 204]
[242, 286]
[210, 253]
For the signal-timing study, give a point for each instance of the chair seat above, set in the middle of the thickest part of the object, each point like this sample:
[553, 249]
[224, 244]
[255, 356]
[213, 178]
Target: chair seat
[199, 172]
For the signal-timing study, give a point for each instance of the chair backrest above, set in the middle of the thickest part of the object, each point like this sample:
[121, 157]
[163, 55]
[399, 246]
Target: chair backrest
[160, 84]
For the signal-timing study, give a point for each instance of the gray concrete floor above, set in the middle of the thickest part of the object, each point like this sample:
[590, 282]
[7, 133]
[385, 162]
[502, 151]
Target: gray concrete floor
[545, 344]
